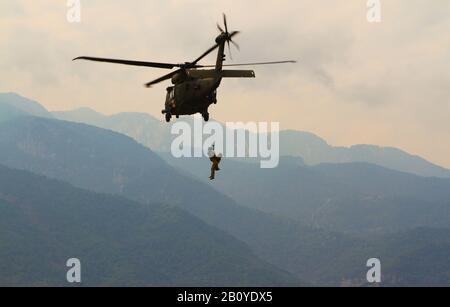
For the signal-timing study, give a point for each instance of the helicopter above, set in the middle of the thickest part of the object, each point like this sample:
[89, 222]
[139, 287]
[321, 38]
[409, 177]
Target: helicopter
[194, 89]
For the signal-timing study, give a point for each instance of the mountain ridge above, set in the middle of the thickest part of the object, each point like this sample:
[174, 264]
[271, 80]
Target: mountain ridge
[311, 148]
[119, 242]
[109, 162]
[314, 150]
[358, 198]
[24, 105]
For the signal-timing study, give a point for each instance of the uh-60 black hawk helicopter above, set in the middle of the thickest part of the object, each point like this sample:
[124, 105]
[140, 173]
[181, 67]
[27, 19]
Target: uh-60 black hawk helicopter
[194, 89]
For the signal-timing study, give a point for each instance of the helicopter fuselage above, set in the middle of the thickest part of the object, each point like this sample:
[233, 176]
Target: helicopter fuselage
[192, 95]
[195, 90]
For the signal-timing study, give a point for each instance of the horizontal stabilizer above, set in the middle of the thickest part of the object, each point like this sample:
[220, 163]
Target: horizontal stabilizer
[212, 73]
[238, 74]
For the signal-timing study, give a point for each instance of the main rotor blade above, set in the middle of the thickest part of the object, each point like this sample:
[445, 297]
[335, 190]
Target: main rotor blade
[252, 64]
[225, 22]
[206, 53]
[212, 49]
[128, 62]
[220, 28]
[163, 78]
[233, 34]
[236, 45]
[229, 49]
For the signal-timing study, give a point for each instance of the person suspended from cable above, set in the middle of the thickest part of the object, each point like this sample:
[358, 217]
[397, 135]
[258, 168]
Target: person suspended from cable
[215, 159]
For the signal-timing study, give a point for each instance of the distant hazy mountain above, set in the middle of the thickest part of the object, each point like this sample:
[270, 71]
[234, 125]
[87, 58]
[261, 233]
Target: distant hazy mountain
[12, 105]
[154, 134]
[119, 242]
[9, 112]
[314, 150]
[142, 127]
[359, 198]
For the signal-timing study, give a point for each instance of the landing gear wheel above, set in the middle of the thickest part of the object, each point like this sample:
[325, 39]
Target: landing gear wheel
[168, 117]
[178, 116]
[205, 116]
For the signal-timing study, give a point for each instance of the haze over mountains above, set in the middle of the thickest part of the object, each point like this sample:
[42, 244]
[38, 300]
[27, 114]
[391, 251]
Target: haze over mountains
[293, 225]
[313, 150]
[357, 198]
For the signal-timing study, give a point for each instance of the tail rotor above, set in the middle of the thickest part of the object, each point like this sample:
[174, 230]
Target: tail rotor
[227, 35]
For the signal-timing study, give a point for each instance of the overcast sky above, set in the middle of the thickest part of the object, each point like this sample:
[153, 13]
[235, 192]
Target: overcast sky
[356, 82]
